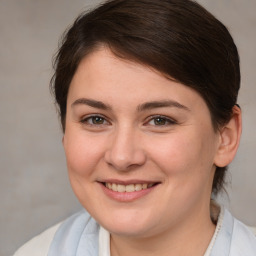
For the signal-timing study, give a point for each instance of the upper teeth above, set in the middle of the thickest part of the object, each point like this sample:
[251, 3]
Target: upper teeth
[127, 188]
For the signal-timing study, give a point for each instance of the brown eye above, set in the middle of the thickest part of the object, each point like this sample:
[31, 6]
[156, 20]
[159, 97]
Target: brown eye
[160, 121]
[95, 120]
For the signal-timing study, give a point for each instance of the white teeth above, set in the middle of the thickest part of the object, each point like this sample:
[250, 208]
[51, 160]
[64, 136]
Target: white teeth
[114, 187]
[138, 187]
[120, 188]
[128, 188]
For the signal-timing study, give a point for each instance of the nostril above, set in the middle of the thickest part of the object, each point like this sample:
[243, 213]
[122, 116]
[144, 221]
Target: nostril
[125, 160]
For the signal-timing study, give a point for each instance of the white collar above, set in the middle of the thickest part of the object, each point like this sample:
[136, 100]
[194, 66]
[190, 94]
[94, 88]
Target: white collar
[104, 242]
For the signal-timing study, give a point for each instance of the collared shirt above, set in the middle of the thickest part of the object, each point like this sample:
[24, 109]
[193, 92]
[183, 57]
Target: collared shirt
[80, 235]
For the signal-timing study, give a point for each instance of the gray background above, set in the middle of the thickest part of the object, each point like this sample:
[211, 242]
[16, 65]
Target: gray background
[34, 188]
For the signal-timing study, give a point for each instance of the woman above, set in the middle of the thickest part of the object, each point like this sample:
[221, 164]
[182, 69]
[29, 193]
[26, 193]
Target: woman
[146, 92]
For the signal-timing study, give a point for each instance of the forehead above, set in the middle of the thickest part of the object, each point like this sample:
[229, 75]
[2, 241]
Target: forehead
[104, 76]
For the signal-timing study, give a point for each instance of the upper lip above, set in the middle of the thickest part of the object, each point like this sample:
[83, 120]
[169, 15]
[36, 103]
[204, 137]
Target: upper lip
[127, 182]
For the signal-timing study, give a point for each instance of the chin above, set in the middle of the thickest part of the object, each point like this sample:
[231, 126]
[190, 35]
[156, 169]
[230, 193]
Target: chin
[127, 224]
[127, 230]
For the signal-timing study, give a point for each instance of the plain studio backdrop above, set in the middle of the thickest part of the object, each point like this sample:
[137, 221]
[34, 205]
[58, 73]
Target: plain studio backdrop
[34, 188]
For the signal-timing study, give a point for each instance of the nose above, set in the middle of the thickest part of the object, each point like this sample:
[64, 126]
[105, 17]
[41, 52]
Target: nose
[125, 150]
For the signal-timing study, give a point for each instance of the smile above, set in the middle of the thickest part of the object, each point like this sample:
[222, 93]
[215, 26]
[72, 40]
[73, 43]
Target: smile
[127, 191]
[127, 188]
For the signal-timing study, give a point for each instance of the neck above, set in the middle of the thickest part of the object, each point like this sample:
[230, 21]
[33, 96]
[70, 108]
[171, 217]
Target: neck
[190, 237]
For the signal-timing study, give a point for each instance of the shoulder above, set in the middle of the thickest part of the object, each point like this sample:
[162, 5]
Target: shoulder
[253, 230]
[243, 240]
[63, 236]
[79, 234]
[233, 238]
[39, 245]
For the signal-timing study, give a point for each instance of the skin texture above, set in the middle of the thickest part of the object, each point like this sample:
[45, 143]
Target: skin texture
[125, 140]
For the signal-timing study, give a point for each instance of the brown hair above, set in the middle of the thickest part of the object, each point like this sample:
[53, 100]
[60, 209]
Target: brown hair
[179, 38]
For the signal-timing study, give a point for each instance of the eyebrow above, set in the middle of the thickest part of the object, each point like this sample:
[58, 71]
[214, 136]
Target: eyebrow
[140, 108]
[91, 103]
[161, 104]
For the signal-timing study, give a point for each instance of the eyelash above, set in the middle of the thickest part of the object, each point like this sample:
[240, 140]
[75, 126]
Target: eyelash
[90, 120]
[167, 121]
[87, 119]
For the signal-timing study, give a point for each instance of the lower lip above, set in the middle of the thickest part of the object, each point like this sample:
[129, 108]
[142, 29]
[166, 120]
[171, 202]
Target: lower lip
[126, 196]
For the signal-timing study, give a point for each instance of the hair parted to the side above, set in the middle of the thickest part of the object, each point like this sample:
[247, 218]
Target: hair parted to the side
[178, 38]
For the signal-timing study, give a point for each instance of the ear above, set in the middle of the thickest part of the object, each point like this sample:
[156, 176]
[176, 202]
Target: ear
[230, 135]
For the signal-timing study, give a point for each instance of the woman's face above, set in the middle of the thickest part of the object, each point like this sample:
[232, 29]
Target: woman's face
[140, 148]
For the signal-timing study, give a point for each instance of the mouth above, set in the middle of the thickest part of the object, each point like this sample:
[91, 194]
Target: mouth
[127, 191]
[129, 188]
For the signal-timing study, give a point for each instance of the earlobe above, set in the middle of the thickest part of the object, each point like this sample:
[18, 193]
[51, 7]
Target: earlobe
[230, 135]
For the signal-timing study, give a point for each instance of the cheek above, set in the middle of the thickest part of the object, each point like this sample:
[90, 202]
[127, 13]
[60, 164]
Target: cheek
[83, 153]
[172, 151]
[187, 165]
[183, 154]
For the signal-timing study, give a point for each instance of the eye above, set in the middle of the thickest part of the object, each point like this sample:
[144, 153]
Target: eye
[94, 120]
[160, 121]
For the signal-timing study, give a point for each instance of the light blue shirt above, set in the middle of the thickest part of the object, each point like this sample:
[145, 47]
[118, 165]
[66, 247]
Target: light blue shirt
[79, 236]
